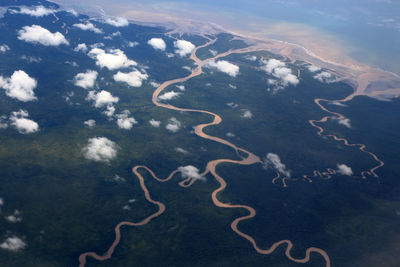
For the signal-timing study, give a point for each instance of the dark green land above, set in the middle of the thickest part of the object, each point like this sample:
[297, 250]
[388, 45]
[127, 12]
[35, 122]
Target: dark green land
[70, 205]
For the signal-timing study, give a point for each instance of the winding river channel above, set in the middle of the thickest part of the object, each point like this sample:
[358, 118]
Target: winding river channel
[212, 166]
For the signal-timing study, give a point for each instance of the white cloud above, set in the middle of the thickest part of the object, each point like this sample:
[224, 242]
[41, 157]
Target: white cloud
[87, 26]
[344, 169]
[102, 98]
[100, 149]
[154, 84]
[39, 35]
[157, 43]
[346, 122]
[272, 160]
[13, 243]
[190, 171]
[81, 47]
[169, 95]
[90, 123]
[3, 124]
[251, 58]
[109, 111]
[181, 150]
[37, 11]
[22, 124]
[213, 52]
[224, 66]
[15, 217]
[19, 86]
[246, 114]
[155, 123]
[119, 179]
[117, 22]
[338, 104]
[112, 59]
[181, 87]
[31, 59]
[183, 47]
[283, 75]
[313, 68]
[4, 48]
[132, 44]
[323, 77]
[73, 12]
[111, 36]
[229, 134]
[86, 79]
[232, 105]
[232, 86]
[1, 201]
[124, 121]
[173, 125]
[133, 78]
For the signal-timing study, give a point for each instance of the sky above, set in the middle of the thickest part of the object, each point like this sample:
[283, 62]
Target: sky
[366, 30]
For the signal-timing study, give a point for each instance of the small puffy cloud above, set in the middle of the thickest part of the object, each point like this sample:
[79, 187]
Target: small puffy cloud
[181, 150]
[181, 87]
[232, 105]
[117, 22]
[157, 43]
[37, 11]
[102, 98]
[81, 47]
[232, 86]
[39, 35]
[31, 59]
[15, 217]
[124, 121]
[169, 95]
[313, 68]
[251, 58]
[283, 75]
[90, 123]
[272, 160]
[19, 86]
[154, 84]
[112, 59]
[183, 47]
[224, 66]
[13, 243]
[213, 52]
[133, 78]
[86, 79]
[246, 114]
[340, 104]
[190, 171]
[173, 125]
[22, 124]
[73, 12]
[119, 179]
[345, 122]
[109, 111]
[344, 169]
[87, 26]
[229, 134]
[132, 44]
[4, 48]
[155, 123]
[100, 149]
[3, 124]
[323, 77]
